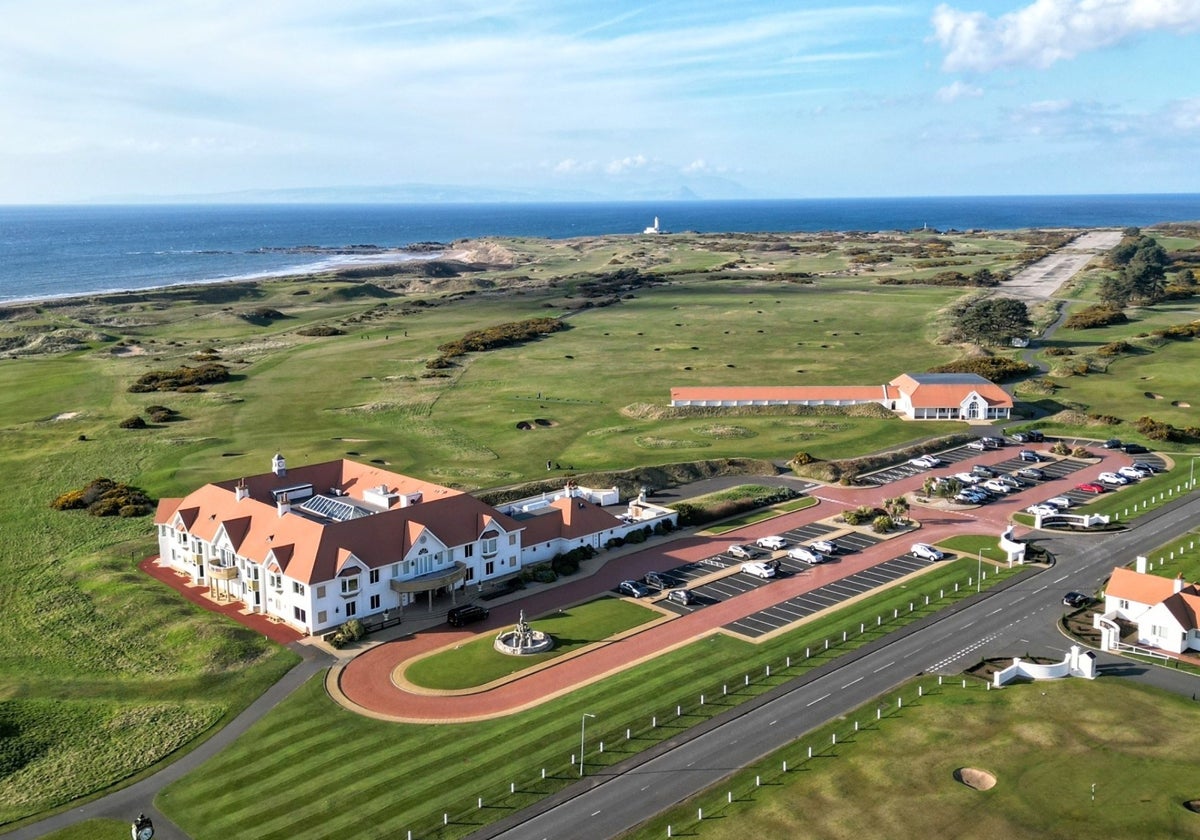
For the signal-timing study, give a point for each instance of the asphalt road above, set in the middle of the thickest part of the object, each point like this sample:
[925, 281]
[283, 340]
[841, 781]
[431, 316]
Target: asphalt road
[1013, 620]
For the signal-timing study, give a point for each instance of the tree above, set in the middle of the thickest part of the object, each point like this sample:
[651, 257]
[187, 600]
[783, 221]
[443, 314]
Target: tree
[1115, 291]
[994, 320]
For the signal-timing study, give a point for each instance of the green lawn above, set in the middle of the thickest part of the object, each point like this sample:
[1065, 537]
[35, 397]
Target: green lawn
[972, 545]
[762, 515]
[1046, 743]
[477, 662]
[294, 769]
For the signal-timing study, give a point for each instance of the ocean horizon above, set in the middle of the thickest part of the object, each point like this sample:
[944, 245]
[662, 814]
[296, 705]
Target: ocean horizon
[51, 251]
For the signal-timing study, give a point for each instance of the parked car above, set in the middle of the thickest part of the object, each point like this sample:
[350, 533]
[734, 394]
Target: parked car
[993, 442]
[659, 580]
[682, 596]
[743, 552]
[1035, 436]
[1060, 502]
[1032, 472]
[1029, 455]
[925, 462]
[1134, 449]
[1042, 510]
[1011, 481]
[974, 497]
[1112, 478]
[1112, 443]
[1147, 468]
[1090, 487]
[466, 614]
[1132, 473]
[806, 555]
[984, 471]
[1076, 599]
[632, 588]
[824, 546]
[977, 445]
[1020, 437]
[997, 486]
[773, 542]
[762, 570]
[926, 552]
[966, 479]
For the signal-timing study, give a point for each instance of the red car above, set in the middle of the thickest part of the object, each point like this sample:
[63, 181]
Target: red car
[1090, 487]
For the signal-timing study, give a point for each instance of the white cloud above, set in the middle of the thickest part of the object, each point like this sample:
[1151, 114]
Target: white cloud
[959, 90]
[1048, 31]
[626, 164]
[696, 166]
[1185, 115]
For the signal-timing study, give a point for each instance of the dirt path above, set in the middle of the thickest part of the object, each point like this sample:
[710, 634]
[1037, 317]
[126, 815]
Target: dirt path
[1042, 280]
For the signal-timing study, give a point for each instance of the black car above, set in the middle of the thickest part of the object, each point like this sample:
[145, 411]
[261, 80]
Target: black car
[466, 614]
[1144, 467]
[1076, 599]
[633, 589]
[1112, 443]
[1134, 449]
[1035, 436]
[993, 442]
[1029, 455]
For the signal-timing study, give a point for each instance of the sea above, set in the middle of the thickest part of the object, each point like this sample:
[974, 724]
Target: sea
[60, 251]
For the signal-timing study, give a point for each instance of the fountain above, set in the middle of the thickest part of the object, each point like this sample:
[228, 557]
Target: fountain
[523, 640]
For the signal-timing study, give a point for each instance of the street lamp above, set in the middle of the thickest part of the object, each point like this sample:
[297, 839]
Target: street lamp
[979, 572]
[582, 730]
[1192, 476]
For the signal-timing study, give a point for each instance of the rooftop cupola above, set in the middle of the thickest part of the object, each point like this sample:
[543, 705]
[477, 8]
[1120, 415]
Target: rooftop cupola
[278, 465]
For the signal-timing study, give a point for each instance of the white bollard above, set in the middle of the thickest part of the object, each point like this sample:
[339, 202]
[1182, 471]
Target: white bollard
[512, 787]
[833, 739]
[785, 765]
[479, 802]
[878, 714]
[855, 726]
[939, 679]
[810, 752]
[701, 699]
[601, 746]
[729, 797]
[543, 772]
[768, 670]
[627, 733]
[919, 692]
[757, 781]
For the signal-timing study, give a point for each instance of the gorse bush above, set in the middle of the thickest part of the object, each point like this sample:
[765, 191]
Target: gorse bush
[502, 335]
[1093, 317]
[105, 497]
[183, 378]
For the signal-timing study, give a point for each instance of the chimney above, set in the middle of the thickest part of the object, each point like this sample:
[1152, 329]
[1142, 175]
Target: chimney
[241, 491]
[1179, 582]
[282, 505]
[1141, 564]
[278, 465]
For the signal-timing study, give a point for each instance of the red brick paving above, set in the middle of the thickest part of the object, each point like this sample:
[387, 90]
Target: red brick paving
[276, 632]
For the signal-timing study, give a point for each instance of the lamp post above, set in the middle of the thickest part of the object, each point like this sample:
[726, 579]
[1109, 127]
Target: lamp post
[979, 571]
[1192, 476]
[582, 730]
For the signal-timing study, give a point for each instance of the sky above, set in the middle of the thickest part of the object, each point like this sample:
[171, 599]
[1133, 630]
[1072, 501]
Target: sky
[552, 99]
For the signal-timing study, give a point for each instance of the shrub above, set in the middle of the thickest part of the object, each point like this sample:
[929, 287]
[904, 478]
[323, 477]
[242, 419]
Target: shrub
[502, 335]
[261, 316]
[1081, 452]
[802, 458]
[181, 379]
[134, 422]
[1179, 332]
[1158, 430]
[353, 630]
[1060, 448]
[881, 524]
[1059, 351]
[105, 497]
[995, 368]
[320, 330]
[1114, 348]
[1092, 317]
[564, 564]
[161, 414]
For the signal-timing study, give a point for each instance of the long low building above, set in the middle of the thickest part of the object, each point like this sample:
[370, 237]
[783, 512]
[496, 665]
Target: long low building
[917, 396]
[324, 543]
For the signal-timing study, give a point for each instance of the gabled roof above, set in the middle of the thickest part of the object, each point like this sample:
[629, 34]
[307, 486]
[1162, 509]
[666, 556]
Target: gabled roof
[569, 518]
[1142, 588]
[165, 511]
[943, 390]
[1185, 609]
[311, 548]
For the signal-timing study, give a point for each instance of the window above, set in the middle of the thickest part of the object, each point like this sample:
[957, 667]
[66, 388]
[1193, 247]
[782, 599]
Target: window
[322, 617]
[1159, 631]
[300, 614]
[374, 602]
[373, 576]
[395, 570]
[275, 580]
[1122, 604]
[469, 550]
[470, 576]
[349, 585]
[490, 547]
[320, 591]
[489, 568]
[297, 587]
[351, 608]
[512, 539]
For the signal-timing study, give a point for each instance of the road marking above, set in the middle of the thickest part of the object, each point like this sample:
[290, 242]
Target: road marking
[818, 700]
[881, 667]
[594, 813]
[1061, 579]
[852, 682]
[993, 612]
[1036, 591]
[772, 723]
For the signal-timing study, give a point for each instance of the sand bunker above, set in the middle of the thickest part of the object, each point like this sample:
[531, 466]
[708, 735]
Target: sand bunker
[1150, 395]
[976, 779]
[1193, 805]
[66, 415]
[128, 350]
[1181, 404]
[536, 423]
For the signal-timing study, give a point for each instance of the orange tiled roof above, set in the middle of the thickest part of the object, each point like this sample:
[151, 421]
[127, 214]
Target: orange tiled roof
[865, 393]
[1142, 588]
[926, 390]
[1185, 608]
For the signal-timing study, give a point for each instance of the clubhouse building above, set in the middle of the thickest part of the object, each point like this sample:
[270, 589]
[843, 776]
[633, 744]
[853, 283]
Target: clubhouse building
[915, 396]
[316, 546]
[1165, 611]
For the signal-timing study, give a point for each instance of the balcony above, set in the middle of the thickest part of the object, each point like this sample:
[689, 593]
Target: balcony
[222, 572]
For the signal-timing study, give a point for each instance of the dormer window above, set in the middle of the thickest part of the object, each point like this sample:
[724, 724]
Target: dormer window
[275, 581]
[350, 585]
[489, 546]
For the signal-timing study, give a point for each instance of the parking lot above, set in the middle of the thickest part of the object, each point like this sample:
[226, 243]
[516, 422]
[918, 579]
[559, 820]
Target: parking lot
[829, 595]
[901, 471]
